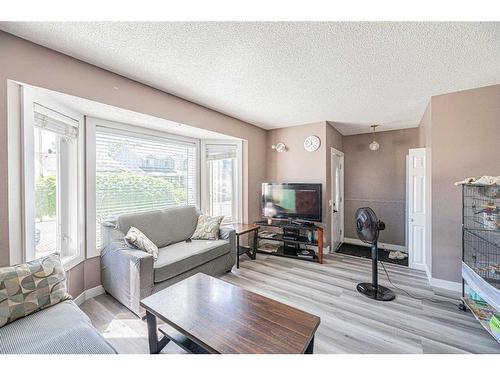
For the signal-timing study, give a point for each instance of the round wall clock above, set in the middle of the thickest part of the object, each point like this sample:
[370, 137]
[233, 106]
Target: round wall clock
[312, 143]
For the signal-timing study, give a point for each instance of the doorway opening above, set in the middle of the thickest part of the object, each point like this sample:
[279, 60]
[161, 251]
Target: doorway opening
[336, 204]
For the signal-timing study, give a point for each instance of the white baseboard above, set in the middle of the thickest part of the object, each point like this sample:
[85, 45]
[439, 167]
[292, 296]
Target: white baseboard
[451, 286]
[440, 285]
[417, 266]
[80, 299]
[88, 294]
[381, 245]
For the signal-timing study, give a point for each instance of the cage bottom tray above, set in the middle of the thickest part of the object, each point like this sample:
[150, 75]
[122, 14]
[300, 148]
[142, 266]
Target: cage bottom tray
[483, 314]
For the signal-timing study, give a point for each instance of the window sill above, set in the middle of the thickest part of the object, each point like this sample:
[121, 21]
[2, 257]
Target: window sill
[71, 261]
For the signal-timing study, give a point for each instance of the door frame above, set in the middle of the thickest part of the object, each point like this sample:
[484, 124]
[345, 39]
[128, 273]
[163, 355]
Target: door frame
[340, 154]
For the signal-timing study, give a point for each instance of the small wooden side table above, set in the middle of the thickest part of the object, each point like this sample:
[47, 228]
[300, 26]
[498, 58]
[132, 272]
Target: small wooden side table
[240, 230]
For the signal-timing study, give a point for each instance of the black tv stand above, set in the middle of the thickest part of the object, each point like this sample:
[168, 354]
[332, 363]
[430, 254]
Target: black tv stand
[292, 238]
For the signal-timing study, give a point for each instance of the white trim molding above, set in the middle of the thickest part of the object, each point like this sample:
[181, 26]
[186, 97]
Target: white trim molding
[440, 284]
[341, 208]
[381, 245]
[88, 294]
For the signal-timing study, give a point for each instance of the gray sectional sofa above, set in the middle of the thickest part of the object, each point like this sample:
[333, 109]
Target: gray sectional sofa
[129, 274]
[58, 329]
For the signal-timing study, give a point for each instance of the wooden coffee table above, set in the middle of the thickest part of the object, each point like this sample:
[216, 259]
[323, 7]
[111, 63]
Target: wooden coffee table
[207, 315]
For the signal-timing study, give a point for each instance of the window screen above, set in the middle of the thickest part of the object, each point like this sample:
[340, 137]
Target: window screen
[136, 172]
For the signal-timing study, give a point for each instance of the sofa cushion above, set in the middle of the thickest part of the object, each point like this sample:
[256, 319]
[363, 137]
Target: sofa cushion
[59, 329]
[30, 287]
[183, 256]
[163, 227]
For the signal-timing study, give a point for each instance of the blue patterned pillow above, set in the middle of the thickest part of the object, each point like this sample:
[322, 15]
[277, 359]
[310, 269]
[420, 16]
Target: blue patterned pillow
[30, 287]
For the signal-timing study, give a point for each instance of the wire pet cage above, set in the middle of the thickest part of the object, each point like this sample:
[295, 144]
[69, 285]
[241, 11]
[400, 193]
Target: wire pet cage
[481, 251]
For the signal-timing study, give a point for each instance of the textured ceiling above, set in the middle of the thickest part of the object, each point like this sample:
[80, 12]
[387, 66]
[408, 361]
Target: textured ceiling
[284, 74]
[103, 111]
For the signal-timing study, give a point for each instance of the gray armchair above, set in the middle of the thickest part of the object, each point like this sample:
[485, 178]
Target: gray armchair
[129, 274]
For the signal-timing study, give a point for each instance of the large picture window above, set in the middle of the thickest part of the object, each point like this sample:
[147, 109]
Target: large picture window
[137, 172]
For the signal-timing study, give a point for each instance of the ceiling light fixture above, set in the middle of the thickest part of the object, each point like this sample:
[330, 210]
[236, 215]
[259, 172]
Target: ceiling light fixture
[374, 146]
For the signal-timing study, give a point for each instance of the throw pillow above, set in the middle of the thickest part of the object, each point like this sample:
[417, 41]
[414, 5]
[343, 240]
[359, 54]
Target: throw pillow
[138, 239]
[207, 228]
[30, 287]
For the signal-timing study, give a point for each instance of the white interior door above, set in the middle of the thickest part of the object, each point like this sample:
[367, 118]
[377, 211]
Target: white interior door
[337, 198]
[416, 208]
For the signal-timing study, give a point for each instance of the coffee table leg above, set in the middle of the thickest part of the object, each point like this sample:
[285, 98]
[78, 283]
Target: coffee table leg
[237, 251]
[310, 347]
[255, 243]
[155, 346]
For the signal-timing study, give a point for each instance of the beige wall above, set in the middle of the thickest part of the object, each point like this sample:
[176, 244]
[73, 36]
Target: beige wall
[29, 63]
[299, 165]
[465, 142]
[296, 164]
[378, 180]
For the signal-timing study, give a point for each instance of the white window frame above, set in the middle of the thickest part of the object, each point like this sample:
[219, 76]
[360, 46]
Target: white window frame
[29, 97]
[91, 125]
[238, 184]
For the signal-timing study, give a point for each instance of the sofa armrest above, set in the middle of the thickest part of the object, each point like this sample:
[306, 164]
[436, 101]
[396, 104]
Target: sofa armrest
[127, 273]
[228, 233]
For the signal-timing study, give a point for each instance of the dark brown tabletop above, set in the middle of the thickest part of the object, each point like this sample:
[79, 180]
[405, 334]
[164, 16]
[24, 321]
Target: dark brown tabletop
[223, 318]
[241, 228]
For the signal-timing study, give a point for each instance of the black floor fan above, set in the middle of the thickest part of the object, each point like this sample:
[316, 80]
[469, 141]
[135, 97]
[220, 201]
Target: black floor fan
[368, 227]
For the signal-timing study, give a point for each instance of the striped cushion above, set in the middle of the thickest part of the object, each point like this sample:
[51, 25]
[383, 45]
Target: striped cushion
[60, 329]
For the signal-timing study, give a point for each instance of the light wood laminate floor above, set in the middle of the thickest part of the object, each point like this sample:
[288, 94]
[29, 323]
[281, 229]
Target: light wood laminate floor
[350, 322]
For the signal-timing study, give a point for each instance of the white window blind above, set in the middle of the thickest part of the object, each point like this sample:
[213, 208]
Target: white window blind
[54, 122]
[136, 172]
[221, 151]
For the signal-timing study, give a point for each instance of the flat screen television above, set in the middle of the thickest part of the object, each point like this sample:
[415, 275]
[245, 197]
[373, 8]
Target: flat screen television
[292, 201]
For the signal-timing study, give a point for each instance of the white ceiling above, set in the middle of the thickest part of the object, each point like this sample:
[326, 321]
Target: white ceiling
[283, 74]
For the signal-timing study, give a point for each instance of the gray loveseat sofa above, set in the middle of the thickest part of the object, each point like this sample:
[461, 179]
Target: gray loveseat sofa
[58, 329]
[129, 274]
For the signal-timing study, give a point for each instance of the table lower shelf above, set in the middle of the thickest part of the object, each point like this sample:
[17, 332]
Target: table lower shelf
[184, 342]
[245, 250]
[280, 253]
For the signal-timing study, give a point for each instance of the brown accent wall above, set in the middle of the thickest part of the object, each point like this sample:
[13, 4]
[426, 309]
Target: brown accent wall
[378, 179]
[465, 138]
[32, 64]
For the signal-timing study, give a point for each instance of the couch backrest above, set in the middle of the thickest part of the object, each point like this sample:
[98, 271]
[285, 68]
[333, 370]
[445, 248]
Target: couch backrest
[163, 227]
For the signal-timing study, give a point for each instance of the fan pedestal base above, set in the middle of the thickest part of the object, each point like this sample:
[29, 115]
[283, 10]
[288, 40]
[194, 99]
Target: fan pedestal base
[381, 293]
